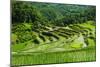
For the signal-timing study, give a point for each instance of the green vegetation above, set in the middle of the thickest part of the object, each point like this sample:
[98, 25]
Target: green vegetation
[52, 33]
[54, 57]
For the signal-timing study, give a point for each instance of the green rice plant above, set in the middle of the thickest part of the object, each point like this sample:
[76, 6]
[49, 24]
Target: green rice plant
[87, 54]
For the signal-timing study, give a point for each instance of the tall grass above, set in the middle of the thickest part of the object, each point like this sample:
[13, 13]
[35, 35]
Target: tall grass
[87, 54]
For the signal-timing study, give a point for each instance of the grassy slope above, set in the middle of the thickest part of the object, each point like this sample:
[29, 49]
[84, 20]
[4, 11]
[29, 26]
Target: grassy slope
[30, 54]
[87, 54]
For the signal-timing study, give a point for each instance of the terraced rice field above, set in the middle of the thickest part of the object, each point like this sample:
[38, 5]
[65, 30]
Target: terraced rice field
[73, 43]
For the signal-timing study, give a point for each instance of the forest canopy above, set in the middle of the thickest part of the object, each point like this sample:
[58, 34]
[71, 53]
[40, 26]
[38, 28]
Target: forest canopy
[51, 13]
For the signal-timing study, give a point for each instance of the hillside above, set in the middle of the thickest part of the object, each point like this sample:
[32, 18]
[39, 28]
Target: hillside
[50, 28]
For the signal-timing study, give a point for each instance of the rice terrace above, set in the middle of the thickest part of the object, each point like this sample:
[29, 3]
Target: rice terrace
[48, 33]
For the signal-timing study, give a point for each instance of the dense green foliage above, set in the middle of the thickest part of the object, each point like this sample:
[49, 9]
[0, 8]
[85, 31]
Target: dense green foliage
[46, 13]
[52, 30]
